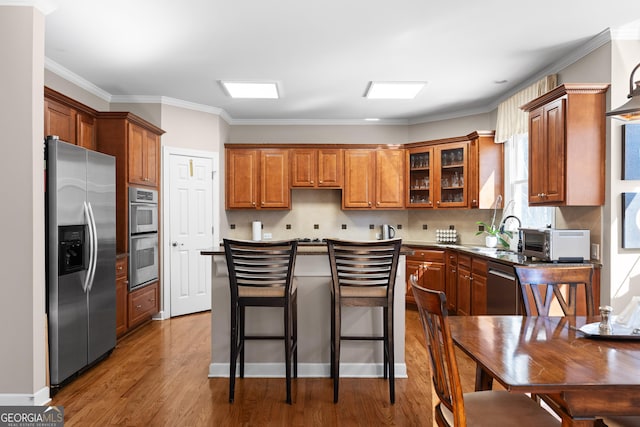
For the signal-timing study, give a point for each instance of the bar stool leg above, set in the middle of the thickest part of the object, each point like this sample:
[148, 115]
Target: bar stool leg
[242, 339]
[294, 317]
[287, 348]
[336, 321]
[390, 352]
[233, 350]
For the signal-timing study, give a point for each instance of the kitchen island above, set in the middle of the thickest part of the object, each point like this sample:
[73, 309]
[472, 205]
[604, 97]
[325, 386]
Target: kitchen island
[266, 358]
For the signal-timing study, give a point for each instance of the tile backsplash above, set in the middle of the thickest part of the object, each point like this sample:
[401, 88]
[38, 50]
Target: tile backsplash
[317, 214]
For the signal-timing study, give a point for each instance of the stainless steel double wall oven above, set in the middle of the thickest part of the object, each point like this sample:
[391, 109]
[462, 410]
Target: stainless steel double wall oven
[143, 236]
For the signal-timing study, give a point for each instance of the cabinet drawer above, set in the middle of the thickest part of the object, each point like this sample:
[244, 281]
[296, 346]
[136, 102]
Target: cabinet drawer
[479, 266]
[427, 255]
[143, 303]
[464, 260]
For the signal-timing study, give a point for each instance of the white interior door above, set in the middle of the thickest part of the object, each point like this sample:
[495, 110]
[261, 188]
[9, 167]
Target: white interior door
[190, 225]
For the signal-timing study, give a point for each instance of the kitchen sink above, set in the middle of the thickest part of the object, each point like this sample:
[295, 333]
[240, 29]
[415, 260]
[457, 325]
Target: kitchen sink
[494, 251]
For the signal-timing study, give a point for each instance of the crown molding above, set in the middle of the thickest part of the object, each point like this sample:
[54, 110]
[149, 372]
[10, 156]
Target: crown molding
[66, 74]
[318, 122]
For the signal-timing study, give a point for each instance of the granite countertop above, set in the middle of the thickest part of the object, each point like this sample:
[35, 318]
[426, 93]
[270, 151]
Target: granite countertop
[494, 254]
[304, 248]
[504, 256]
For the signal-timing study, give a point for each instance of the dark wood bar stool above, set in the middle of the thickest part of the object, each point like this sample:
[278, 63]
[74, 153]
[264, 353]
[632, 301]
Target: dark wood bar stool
[363, 275]
[261, 275]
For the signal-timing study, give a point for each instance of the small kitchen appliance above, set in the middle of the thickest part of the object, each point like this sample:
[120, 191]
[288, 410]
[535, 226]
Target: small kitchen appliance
[550, 244]
[387, 232]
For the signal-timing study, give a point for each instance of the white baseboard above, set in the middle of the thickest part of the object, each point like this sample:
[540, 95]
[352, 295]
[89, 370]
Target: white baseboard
[39, 398]
[307, 370]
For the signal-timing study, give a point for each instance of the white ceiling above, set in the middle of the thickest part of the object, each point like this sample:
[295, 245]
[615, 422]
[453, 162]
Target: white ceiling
[324, 53]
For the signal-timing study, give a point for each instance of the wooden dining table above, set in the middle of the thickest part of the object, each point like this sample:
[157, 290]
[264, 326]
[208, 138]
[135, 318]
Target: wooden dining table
[583, 377]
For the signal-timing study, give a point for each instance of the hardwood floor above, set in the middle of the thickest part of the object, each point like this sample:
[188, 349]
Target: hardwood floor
[157, 376]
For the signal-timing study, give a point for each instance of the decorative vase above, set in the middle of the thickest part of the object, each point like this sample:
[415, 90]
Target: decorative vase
[491, 241]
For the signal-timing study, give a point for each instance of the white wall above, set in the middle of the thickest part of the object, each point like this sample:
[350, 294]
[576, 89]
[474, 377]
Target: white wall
[451, 127]
[190, 129]
[22, 290]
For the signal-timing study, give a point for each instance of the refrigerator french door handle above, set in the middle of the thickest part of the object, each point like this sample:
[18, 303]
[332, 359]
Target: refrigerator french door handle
[88, 276]
[94, 247]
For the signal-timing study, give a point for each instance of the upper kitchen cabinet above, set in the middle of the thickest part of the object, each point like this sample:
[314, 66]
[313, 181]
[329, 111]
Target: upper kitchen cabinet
[567, 146]
[486, 170]
[72, 121]
[461, 172]
[373, 179]
[135, 143]
[257, 178]
[316, 168]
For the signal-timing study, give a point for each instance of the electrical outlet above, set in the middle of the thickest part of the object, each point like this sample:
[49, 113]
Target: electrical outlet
[595, 251]
[267, 236]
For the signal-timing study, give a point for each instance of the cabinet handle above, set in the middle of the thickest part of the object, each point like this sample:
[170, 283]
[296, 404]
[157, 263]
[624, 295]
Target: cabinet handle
[438, 202]
[253, 203]
[138, 307]
[320, 182]
[369, 203]
[311, 182]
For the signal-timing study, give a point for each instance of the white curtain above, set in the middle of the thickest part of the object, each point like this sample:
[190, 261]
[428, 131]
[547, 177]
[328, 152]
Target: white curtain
[511, 119]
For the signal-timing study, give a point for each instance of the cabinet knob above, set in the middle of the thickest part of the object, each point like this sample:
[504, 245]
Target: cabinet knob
[253, 203]
[369, 203]
[438, 202]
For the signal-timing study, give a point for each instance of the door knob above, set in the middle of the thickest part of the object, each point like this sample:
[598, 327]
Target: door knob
[174, 244]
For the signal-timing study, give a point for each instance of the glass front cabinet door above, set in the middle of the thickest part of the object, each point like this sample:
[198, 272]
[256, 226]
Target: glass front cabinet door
[438, 176]
[420, 182]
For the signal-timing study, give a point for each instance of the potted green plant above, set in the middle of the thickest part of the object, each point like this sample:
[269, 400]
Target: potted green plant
[494, 235]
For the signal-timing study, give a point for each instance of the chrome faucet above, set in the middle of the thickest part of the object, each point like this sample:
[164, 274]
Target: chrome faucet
[504, 221]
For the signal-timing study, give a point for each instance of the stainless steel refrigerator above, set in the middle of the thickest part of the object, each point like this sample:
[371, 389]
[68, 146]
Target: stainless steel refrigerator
[81, 255]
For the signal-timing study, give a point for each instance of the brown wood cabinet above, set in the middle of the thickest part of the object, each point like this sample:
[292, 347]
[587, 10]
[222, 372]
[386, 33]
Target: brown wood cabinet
[478, 286]
[135, 143]
[471, 285]
[144, 147]
[142, 304]
[316, 168]
[451, 280]
[122, 289]
[73, 122]
[461, 172]
[257, 178]
[373, 179]
[567, 146]
[430, 264]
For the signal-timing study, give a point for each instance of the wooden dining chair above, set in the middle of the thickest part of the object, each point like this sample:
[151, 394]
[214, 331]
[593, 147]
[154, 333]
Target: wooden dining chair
[363, 275]
[261, 275]
[494, 408]
[544, 288]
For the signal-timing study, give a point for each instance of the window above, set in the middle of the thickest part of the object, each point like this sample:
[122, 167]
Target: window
[516, 185]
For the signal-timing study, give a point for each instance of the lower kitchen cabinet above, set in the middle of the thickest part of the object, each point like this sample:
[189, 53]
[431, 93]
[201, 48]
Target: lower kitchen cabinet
[122, 289]
[471, 285]
[451, 280]
[143, 303]
[478, 286]
[431, 266]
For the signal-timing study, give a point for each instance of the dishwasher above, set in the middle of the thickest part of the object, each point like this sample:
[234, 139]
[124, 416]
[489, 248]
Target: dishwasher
[503, 292]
